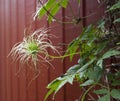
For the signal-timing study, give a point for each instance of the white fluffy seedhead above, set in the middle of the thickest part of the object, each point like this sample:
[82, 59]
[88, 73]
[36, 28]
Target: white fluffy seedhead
[34, 49]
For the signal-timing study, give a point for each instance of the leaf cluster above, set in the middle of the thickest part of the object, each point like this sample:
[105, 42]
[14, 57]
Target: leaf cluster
[90, 69]
[95, 44]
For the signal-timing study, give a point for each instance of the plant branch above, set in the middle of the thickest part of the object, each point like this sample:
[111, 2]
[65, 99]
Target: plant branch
[83, 97]
[51, 56]
[57, 20]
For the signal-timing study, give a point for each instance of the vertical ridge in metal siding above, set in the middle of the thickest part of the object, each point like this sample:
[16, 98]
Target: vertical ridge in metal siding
[21, 26]
[1, 5]
[71, 32]
[14, 67]
[57, 70]
[0, 51]
[3, 73]
[83, 13]
[7, 42]
[9, 64]
[63, 41]
[17, 23]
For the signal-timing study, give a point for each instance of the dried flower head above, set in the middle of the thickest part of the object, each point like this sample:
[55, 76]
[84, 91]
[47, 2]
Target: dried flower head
[33, 49]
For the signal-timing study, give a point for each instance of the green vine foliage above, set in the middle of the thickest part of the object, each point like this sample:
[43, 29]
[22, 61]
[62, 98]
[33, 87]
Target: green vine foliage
[51, 7]
[95, 44]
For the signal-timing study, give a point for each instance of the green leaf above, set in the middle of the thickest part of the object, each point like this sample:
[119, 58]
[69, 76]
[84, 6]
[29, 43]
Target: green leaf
[53, 86]
[64, 3]
[101, 23]
[46, 7]
[95, 74]
[104, 98]
[89, 28]
[100, 47]
[79, 1]
[88, 34]
[116, 83]
[101, 91]
[100, 63]
[53, 12]
[84, 67]
[118, 43]
[58, 83]
[79, 69]
[87, 83]
[110, 53]
[70, 78]
[98, 72]
[51, 6]
[107, 55]
[48, 94]
[115, 94]
[115, 6]
[117, 20]
[73, 69]
[111, 76]
[72, 48]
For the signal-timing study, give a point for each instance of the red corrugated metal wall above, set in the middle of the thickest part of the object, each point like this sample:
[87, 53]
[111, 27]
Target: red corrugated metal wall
[15, 16]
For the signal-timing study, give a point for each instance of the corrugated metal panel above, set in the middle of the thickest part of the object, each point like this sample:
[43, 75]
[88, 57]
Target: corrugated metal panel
[3, 83]
[0, 52]
[72, 31]
[15, 16]
[88, 13]
[57, 63]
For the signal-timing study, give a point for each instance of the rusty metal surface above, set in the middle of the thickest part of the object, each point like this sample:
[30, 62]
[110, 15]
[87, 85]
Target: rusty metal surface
[15, 16]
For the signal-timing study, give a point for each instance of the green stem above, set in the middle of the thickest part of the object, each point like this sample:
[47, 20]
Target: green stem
[83, 97]
[101, 85]
[51, 56]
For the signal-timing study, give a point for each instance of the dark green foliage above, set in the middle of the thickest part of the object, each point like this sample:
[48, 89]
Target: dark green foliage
[95, 44]
[90, 68]
[51, 7]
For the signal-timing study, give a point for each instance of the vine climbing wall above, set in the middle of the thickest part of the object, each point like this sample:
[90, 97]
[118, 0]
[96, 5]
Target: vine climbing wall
[15, 16]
